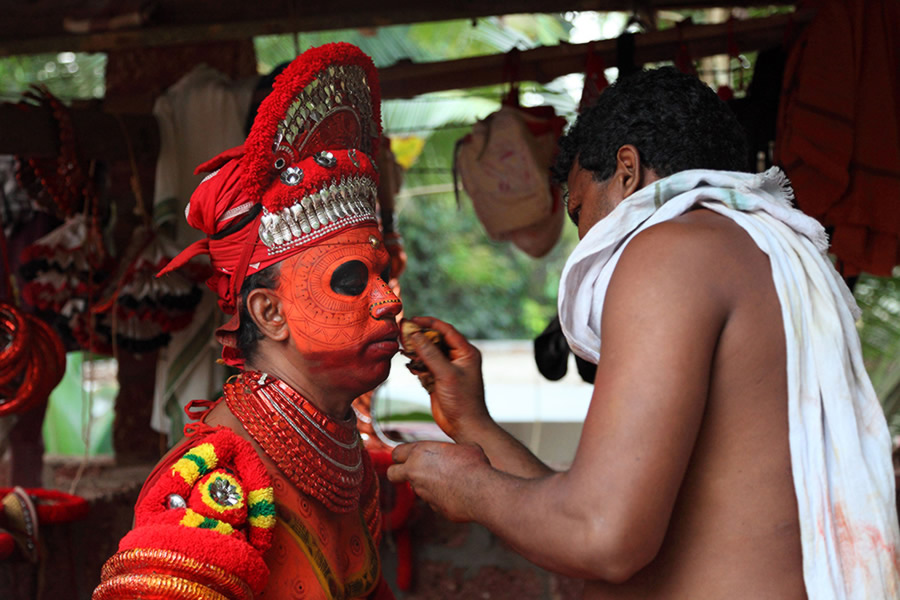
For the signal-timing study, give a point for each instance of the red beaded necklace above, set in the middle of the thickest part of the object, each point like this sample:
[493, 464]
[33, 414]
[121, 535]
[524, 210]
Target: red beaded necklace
[323, 457]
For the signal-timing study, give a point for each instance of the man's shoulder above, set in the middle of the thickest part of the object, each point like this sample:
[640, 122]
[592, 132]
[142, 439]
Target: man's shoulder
[701, 250]
[694, 230]
[699, 238]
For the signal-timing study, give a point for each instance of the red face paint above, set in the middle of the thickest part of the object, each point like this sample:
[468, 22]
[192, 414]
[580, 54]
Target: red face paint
[339, 309]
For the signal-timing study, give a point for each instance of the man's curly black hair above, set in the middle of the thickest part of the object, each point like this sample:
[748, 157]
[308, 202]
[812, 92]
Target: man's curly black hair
[674, 120]
[248, 334]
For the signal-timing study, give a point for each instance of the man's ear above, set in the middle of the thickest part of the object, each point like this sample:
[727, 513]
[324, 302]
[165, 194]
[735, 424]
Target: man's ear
[266, 310]
[628, 170]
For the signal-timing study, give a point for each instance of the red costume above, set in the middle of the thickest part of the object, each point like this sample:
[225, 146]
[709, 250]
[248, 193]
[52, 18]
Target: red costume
[270, 496]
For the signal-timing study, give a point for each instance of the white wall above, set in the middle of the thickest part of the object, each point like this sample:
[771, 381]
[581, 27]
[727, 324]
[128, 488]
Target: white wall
[545, 415]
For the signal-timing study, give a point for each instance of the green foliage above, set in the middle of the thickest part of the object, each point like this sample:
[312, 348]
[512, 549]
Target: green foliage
[423, 42]
[67, 75]
[67, 419]
[488, 290]
[879, 299]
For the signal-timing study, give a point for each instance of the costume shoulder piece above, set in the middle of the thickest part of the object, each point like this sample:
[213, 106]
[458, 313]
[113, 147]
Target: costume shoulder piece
[201, 530]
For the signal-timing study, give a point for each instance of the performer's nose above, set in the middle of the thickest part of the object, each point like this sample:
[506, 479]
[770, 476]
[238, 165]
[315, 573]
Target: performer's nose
[384, 302]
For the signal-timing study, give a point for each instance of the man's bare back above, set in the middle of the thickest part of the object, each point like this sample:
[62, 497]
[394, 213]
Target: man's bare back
[734, 529]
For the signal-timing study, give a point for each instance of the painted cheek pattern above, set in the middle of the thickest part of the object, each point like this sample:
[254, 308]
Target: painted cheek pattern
[320, 319]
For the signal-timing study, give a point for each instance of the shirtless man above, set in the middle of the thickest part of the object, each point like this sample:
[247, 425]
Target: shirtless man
[683, 485]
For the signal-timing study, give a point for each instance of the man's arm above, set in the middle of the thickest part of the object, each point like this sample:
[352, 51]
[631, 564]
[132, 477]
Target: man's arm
[606, 517]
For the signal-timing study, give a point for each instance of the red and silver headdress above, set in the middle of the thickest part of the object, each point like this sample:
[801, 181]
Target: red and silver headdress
[309, 154]
[305, 172]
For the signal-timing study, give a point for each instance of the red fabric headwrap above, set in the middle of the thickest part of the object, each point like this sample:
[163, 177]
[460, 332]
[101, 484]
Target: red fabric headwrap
[218, 206]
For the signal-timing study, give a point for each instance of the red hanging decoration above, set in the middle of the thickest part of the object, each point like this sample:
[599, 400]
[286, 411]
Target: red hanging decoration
[141, 309]
[594, 78]
[65, 272]
[32, 360]
[58, 183]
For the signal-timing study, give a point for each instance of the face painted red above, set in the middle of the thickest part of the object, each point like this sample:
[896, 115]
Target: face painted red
[338, 306]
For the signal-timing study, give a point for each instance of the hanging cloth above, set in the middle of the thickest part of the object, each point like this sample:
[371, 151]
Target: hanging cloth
[839, 130]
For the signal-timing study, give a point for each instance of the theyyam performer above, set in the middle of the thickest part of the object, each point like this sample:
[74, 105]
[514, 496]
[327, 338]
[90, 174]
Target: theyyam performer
[271, 494]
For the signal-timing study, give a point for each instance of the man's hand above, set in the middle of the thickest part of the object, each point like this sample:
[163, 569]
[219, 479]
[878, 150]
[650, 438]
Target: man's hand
[457, 399]
[443, 475]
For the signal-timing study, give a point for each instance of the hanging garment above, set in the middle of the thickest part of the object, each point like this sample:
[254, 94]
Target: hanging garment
[200, 116]
[839, 130]
[504, 165]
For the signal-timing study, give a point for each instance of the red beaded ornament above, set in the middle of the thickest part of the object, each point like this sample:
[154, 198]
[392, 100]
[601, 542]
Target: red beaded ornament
[323, 457]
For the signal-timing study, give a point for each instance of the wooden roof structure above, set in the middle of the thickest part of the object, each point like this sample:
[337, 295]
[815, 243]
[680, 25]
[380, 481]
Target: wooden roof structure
[36, 26]
[39, 26]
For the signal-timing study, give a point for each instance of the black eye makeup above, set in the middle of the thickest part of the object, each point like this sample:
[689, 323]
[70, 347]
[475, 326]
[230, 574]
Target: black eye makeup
[386, 274]
[350, 279]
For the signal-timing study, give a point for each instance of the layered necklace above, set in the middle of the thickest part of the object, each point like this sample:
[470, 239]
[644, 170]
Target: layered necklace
[322, 456]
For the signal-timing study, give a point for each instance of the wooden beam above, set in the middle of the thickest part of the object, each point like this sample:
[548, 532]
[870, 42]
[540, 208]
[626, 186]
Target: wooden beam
[29, 131]
[405, 80]
[228, 19]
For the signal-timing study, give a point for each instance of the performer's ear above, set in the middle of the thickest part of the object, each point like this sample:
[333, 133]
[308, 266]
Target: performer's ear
[267, 311]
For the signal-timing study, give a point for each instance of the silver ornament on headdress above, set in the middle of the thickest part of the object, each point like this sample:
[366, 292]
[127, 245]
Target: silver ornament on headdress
[292, 176]
[337, 203]
[350, 200]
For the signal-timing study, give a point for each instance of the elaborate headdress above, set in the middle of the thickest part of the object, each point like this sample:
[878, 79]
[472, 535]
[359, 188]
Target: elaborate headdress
[305, 173]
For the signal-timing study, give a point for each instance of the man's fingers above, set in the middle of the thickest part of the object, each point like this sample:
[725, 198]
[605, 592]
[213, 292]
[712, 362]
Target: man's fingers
[397, 473]
[402, 452]
[459, 345]
[437, 364]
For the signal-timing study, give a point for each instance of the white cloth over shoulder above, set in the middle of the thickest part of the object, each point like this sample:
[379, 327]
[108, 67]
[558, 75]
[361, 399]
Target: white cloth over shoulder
[839, 440]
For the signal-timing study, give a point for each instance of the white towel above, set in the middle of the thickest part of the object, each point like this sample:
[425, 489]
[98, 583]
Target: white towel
[839, 440]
